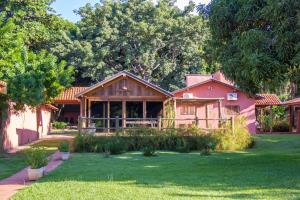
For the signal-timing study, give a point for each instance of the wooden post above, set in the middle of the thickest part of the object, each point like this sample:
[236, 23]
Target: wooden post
[232, 124]
[206, 115]
[108, 116]
[117, 123]
[197, 121]
[175, 106]
[144, 110]
[80, 124]
[159, 123]
[219, 111]
[123, 114]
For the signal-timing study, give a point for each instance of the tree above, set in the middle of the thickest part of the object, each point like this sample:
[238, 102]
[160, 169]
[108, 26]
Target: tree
[40, 26]
[158, 42]
[257, 42]
[32, 78]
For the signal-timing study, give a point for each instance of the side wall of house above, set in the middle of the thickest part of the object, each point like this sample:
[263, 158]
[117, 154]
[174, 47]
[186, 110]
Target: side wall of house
[216, 90]
[26, 126]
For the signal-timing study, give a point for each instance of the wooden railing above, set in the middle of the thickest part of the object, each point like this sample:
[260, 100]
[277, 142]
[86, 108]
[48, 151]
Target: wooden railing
[90, 124]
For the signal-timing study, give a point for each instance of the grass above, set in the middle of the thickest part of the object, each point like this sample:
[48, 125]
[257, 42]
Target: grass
[11, 163]
[268, 171]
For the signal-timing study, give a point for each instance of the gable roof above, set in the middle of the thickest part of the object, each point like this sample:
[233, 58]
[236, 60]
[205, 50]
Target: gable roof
[125, 73]
[267, 100]
[291, 102]
[68, 96]
[204, 82]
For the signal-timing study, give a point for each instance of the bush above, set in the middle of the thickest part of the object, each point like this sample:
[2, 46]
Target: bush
[238, 139]
[64, 147]
[281, 126]
[36, 157]
[59, 125]
[149, 151]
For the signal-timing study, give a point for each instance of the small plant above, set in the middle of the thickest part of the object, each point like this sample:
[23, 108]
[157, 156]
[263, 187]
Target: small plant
[64, 147]
[208, 148]
[59, 125]
[36, 157]
[149, 151]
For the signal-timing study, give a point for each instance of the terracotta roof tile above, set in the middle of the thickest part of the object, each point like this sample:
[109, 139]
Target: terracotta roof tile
[267, 100]
[295, 101]
[68, 96]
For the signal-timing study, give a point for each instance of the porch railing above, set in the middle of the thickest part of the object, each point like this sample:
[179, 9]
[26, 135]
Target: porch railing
[90, 124]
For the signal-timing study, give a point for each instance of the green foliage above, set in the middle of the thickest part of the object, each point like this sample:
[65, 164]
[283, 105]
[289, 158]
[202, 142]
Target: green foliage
[281, 126]
[36, 20]
[36, 157]
[149, 151]
[158, 42]
[257, 42]
[59, 125]
[174, 140]
[64, 147]
[237, 139]
[32, 78]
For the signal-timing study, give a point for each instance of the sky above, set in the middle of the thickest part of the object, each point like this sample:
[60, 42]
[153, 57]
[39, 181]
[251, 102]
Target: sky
[65, 7]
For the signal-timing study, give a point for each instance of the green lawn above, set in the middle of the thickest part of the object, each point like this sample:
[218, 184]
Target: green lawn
[269, 171]
[11, 163]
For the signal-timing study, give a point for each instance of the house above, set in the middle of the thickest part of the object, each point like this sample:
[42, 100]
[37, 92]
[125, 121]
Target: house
[294, 114]
[213, 97]
[22, 127]
[206, 101]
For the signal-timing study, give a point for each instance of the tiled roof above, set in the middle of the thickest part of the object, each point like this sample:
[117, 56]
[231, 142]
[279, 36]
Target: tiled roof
[68, 96]
[267, 100]
[49, 106]
[295, 101]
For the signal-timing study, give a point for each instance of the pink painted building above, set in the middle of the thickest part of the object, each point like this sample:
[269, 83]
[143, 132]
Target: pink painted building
[213, 97]
[25, 126]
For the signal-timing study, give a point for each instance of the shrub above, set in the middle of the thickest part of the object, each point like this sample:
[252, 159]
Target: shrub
[64, 147]
[149, 151]
[281, 126]
[36, 157]
[116, 146]
[59, 125]
[237, 139]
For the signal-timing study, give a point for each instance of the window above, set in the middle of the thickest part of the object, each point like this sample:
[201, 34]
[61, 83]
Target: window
[188, 110]
[232, 109]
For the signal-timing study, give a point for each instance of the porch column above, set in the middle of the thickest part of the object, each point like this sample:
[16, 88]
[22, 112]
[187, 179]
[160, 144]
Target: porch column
[175, 106]
[123, 114]
[206, 115]
[144, 110]
[220, 113]
[108, 116]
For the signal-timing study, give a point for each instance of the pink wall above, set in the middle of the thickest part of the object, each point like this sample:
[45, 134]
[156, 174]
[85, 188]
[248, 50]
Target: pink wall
[26, 126]
[217, 90]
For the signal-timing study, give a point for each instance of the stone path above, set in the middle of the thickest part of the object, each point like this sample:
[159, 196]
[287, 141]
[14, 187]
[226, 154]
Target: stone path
[11, 185]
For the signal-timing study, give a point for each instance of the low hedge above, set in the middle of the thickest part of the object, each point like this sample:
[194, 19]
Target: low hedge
[119, 144]
[181, 140]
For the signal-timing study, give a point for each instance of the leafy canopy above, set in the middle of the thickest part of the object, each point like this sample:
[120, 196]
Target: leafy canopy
[158, 42]
[32, 78]
[257, 42]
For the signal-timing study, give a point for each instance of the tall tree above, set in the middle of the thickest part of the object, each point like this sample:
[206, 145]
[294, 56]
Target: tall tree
[158, 42]
[32, 78]
[36, 20]
[257, 42]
